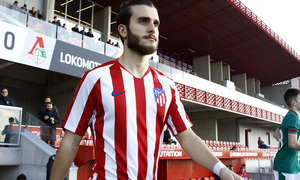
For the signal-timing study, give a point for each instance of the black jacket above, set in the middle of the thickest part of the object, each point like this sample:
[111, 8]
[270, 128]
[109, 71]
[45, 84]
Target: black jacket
[7, 101]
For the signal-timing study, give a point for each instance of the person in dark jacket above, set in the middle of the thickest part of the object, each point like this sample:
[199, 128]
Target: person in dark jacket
[5, 99]
[167, 137]
[50, 118]
[43, 108]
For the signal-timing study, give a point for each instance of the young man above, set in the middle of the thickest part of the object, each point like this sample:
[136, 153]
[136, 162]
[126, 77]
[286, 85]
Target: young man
[286, 165]
[127, 103]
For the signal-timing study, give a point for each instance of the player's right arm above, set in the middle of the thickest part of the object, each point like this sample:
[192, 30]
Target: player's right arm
[293, 142]
[276, 134]
[65, 155]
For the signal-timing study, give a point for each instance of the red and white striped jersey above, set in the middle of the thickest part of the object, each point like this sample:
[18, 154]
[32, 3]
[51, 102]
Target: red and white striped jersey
[126, 115]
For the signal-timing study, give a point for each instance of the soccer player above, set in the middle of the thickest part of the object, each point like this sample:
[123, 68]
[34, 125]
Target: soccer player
[127, 103]
[286, 165]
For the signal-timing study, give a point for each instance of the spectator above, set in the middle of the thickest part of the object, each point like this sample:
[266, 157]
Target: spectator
[90, 33]
[261, 144]
[15, 6]
[117, 44]
[234, 148]
[32, 12]
[6, 130]
[55, 21]
[39, 15]
[83, 31]
[64, 26]
[21, 177]
[5, 99]
[24, 9]
[50, 118]
[43, 108]
[167, 137]
[75, 28]
[242, 173]
[99, 39]
[230, 167]
[109, 41]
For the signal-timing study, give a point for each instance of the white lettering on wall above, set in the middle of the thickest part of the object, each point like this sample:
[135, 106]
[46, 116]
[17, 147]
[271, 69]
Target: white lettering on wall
[77, 61]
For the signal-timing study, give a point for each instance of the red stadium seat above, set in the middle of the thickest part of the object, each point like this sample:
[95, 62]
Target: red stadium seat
[215, 143]
[62, 133]
[207, 142]
[211, 143]
[57, 143]
[222, 143]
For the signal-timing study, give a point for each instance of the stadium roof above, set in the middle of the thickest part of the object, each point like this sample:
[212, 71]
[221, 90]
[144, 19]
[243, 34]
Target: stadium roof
[226, 30]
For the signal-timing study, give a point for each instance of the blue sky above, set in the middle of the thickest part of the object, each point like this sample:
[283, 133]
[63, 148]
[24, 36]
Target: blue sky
[282, 16]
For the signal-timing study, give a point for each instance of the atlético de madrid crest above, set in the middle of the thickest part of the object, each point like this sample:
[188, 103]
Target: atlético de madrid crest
[160, 96]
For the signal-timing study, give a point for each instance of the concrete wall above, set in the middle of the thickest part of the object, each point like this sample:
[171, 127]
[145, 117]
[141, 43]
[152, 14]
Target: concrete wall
[275, 93]
[34, 157]
[240, 82]
[256, 131]
[227, 130]
[205, 128]
[201, 66]
[217, 72]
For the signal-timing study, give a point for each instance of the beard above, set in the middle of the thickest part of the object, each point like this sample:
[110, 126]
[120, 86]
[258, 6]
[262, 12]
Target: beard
[134, 44]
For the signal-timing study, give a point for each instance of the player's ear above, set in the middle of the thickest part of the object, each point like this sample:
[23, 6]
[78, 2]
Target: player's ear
[293, 103]
[122, 30]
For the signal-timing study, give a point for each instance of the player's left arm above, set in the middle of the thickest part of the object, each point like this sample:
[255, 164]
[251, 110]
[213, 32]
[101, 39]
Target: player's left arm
[293, 142]
[199, 152]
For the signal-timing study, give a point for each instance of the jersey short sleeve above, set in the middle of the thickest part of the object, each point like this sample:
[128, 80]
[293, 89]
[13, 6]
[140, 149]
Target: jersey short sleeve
[82, 110]
[177, 119]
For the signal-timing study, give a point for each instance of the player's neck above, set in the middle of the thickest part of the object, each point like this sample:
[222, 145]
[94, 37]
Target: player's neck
[134, 62]
[294, 109]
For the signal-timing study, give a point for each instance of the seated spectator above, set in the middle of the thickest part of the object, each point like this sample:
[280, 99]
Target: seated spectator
[55, 21]
[32, 12]
[39, 15]
[90, 33]
[167, 137]
[15, 6]
[75, 28]
[261, 144]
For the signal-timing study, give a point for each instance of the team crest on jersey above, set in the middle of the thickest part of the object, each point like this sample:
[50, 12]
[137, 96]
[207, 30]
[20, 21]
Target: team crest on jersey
[160, 96]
